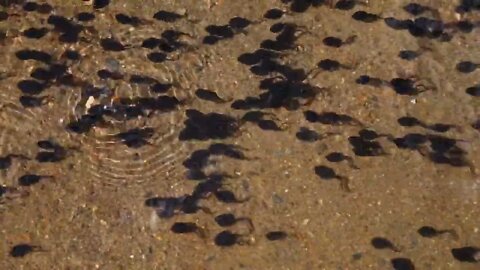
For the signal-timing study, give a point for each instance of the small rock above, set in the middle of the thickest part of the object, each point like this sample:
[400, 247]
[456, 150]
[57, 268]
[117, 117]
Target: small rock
[181, 11]
[277, 199]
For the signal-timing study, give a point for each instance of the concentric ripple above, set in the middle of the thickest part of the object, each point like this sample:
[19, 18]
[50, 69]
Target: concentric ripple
[103, 158]
[106, 160]
[111, 163]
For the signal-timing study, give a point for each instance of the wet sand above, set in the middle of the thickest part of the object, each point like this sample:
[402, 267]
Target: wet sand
[92, 213]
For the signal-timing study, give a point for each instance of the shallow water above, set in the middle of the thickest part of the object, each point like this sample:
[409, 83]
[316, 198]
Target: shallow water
[92, 215]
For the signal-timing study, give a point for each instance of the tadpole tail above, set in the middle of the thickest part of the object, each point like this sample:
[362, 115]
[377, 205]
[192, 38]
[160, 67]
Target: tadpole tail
[396, 249]
[39, 249]
[450, 232]
[243, 200]
[201, 233]
[351, 163]
[206, 210]
[344, 183]
[249, 222]
[362, 3]
[350, 40]
[20, 156]
[473, 169]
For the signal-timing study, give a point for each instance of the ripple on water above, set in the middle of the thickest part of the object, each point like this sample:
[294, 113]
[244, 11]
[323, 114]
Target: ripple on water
[110, 162]
[102, 158]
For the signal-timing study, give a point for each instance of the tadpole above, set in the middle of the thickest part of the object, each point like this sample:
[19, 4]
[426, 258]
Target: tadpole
[227, 238]
[20, 250]
[209, 96]
[347, 4]
[99, 4]
[415, 8]
[188, 227]
[6, 161]
[336, 42]
[469, 254]
[473, 91]
[328, 173]
[408, 87]
[467, 66]
[339, 157]
[229, 219]
[331, 65]
[111, 44]
[273, 14]
[276, 235]
[167, 16]
[136, 137]
[383, 243]
[366, 17]
[430, 232]
[32, 179]
[402, 264]
[364, 148]
[308, 135]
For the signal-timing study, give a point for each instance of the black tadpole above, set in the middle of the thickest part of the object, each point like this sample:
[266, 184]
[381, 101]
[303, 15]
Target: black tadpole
[415, 9]
[383, 243]
[276, 235]
[347, 4]
[6, 161]
[32, 179]
[335, 157]
[473, 91]
[327, 173]
[366, 17]
[209, 96]
[402, 264]
[307, 135]
[227, 239]
[20, 250]
[99, 4]
[273, 14]
[331, 65]
[406, 86]
[167, 16]
[408, 55]
[229, 219]
[469, 254]
[430, 232]
[111, 44]
[188, 227]
[467, 66]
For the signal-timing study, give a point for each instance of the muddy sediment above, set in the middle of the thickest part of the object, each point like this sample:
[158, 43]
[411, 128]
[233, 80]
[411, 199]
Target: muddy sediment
[239, 135]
